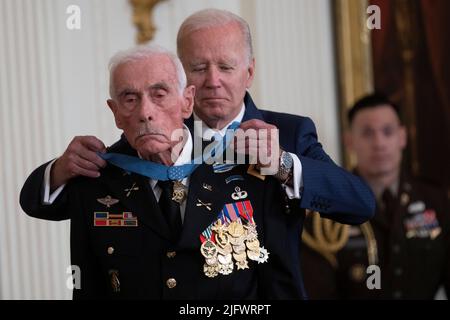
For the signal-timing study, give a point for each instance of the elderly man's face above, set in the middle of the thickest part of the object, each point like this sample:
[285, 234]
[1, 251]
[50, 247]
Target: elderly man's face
[378, 139]
[148, 105]
[216, 63]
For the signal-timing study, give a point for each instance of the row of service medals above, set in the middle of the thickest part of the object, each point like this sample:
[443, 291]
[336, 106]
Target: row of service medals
[226, 244]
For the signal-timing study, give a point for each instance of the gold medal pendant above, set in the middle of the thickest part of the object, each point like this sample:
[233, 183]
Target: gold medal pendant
[240, 256]
[224, 259]
[253, 244]
[253, 255]
[236, 230]
[241, 265]
[179, 192]
[239, 248]
[211, 271]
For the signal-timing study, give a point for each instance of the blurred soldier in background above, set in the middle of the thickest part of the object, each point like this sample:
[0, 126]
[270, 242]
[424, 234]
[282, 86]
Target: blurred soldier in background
[408, 239]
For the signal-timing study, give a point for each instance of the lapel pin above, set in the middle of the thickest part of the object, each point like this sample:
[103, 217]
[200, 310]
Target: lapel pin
[129, 190]
[238, 194]
[108, 201]
[234, 178]
[207, 187]
[201, 203]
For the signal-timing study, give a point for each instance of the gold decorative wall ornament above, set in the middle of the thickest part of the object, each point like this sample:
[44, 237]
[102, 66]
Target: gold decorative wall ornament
[326, 237]
[406, 22]
[143, 19]
[371, 243]
[354, 56]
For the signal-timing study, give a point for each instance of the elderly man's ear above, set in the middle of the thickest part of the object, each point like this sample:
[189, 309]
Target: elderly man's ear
[113, 106]
[188, 99]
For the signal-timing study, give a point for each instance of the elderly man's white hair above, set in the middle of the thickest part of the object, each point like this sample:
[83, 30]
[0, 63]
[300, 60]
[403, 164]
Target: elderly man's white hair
[144, 52]
[209, 18]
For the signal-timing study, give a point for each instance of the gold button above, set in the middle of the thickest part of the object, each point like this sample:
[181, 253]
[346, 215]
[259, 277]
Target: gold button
[171, 254]
[110, 250]
[171, 283]
[404, 199]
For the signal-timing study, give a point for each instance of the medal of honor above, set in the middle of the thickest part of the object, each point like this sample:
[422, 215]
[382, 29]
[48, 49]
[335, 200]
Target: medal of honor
[179, 192]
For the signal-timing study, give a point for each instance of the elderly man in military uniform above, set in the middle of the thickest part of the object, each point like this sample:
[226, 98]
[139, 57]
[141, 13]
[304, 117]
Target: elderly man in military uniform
[408, 239]
[156, 225]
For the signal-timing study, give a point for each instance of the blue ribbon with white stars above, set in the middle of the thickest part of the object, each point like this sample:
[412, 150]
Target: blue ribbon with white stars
[162, 172]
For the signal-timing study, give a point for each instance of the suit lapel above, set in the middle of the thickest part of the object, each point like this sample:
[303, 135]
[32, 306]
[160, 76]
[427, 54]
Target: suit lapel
[197, 217]
[251, 111]
[140, 201]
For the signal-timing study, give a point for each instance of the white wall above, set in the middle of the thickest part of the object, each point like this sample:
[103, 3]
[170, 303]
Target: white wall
[54, 83]
[295, 62]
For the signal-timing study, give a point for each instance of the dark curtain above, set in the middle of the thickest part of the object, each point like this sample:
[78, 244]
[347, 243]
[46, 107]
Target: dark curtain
[411, 66]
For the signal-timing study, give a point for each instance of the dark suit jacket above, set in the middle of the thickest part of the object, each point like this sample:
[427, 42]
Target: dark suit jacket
[334, 192]
[140, 253]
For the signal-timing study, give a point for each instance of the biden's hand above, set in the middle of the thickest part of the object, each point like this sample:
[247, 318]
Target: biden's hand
[79, 159]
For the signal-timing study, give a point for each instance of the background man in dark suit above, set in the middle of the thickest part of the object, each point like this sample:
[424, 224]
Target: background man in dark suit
[215, 234]
[409, 236]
